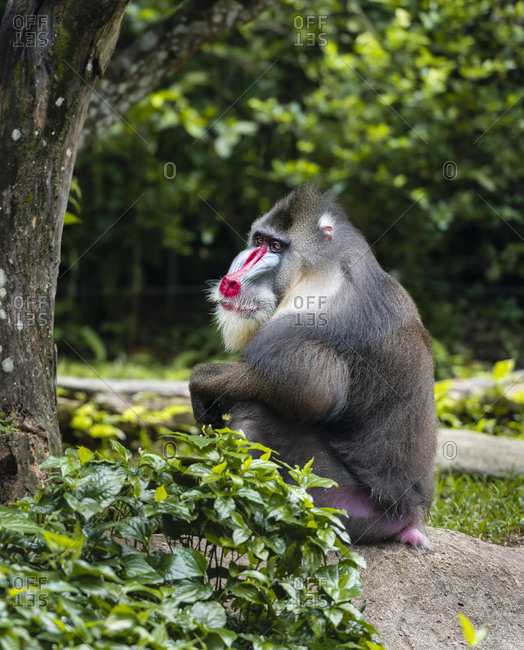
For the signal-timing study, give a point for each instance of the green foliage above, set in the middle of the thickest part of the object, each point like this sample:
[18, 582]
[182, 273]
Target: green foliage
[6, 423]
[87, 423]
[75, 198]
[459, 364]
[484, 507]
[246, 566]
[383, 96]
[497, 409]
[96, 422]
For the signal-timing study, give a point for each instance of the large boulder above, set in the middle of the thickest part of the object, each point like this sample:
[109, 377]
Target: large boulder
[414, 596]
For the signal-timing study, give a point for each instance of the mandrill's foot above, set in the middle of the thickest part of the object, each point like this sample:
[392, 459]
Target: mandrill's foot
[413, 536]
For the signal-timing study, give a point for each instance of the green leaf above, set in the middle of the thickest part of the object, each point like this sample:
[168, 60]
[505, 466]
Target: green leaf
[121, 618]
[241, 535]
[224, 508]
[153, 459]
[503, 368]
[201, 442]
[248, 592]
[189, 592]
[120, 449]
[84, 454]
[208, 615]
[63, 544]
[160, 493]
[182, 563]
[81, 567]
[66, 464]
[70, 218]
[138, 528]
[18, 521]
[136, 567]
[87, 508]
[251, 495]
[218, 469]
[335, 616]
[227, 636]
[103, 485]
[253, 574]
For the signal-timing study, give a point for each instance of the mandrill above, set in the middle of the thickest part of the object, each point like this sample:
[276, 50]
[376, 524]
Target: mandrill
[335, 365]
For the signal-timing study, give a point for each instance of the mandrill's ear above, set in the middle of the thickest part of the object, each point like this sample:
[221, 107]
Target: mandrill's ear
[325, 223]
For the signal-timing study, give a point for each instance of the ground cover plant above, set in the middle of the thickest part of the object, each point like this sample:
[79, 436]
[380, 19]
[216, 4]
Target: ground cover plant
[244, 566]
[497, 409]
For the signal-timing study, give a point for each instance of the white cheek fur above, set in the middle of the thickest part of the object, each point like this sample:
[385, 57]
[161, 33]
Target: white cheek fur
[236, 330]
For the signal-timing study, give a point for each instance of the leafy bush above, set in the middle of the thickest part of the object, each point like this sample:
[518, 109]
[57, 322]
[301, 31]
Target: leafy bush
[85, 422]
[497, 408]
[448, 364]
[246, 567]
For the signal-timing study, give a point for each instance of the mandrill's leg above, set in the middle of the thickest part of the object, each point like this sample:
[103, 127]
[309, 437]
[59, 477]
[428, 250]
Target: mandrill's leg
[365, 523]
[297, 443]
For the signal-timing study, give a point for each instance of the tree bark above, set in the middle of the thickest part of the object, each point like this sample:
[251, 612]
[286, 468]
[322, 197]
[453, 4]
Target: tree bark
[154, 57]
[50, 54]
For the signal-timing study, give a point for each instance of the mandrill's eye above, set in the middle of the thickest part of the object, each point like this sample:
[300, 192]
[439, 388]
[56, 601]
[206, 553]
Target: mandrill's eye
[275, 246]
[258, 240]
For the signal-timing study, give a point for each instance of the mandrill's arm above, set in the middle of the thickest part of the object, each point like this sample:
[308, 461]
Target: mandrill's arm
[213, 385]
[311, 397]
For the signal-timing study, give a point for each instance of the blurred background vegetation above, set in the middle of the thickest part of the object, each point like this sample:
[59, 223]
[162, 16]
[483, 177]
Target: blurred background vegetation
[409, 113]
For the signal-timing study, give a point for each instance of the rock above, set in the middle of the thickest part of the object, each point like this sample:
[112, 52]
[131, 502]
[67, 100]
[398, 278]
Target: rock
[471, 386]
[469, 452]
[414, 596]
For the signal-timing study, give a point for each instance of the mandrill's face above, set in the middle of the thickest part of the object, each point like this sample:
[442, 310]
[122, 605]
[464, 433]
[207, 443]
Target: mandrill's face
[245, 297]
[259, 276]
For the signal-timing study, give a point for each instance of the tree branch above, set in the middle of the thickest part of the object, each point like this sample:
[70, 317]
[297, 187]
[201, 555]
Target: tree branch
[160, 52]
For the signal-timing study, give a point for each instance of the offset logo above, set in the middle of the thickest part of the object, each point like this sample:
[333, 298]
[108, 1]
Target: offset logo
[313, 34]
[31, 31]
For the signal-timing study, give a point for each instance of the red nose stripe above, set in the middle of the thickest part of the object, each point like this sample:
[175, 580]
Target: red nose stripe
[230, 285]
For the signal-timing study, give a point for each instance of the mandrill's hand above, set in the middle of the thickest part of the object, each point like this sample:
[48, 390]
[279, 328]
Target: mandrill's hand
[207, 411]
[206, 408]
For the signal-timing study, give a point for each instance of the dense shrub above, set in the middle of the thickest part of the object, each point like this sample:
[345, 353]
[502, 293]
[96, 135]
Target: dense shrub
[244, 564]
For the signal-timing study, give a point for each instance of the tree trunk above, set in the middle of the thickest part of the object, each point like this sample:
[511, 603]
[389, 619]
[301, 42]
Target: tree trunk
[50, 54]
